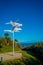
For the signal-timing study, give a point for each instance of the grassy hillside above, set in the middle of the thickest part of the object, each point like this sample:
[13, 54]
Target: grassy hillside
[9, 49]
[32, 55]
[36, 50]
[7, 46]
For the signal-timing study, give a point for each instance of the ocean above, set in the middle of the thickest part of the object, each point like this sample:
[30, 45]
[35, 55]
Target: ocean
[26, 44]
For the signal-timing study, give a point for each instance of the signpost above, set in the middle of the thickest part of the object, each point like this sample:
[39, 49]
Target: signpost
[15, 28]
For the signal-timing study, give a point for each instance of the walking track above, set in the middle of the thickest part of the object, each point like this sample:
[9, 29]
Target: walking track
[10, 56]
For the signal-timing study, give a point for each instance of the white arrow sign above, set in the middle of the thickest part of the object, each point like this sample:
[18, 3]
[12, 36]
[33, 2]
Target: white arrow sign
[14, 23]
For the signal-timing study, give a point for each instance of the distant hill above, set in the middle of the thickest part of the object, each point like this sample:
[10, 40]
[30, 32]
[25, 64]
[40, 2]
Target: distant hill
[29, 45]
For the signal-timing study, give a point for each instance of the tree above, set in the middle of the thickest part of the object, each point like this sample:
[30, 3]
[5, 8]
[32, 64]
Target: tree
[17, 43]
[6, 38]
[6, 35]
[0, 44]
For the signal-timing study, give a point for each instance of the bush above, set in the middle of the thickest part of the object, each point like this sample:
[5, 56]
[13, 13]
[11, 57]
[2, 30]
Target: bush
[0, 45]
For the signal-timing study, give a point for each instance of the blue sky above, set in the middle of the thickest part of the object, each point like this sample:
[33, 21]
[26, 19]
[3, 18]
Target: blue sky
[29, 13]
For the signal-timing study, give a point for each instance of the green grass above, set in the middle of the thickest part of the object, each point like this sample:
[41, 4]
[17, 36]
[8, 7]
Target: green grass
[8, 49]
[25, 54]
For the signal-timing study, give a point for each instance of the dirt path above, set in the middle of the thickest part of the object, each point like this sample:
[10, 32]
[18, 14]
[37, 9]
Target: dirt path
[10, 56]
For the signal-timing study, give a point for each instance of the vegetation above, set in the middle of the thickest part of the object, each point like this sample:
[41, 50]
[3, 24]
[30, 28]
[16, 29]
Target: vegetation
[21, 62]
[6, 44]
[9, 49]
[36, 50]
[32, 55]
